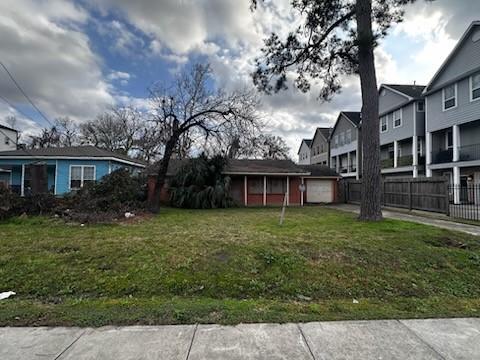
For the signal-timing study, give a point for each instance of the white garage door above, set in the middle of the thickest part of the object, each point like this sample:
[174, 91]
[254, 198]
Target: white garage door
[319, 191]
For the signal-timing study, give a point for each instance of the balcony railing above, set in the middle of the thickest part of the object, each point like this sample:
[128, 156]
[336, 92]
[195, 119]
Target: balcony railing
[386, 163]
[469, 152]
[406, 160]
[442, 156]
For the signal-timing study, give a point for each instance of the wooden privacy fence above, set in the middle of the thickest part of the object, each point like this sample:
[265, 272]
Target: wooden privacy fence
[428, 194]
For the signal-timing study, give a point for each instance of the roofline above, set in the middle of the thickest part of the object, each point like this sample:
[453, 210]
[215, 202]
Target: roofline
[303, 141]
[264, 173]
[317, 130]
[7, 128]
[450, 56]
[46, 157]
[336, 122]
[395, 91]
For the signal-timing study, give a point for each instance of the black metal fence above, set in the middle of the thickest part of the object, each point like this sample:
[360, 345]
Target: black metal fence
[465, 201]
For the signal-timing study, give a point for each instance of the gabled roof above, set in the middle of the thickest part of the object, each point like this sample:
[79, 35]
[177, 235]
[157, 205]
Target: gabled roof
[355, 117]
[325, 131]
[307, 142]
[451, 55]
[320, 170]
[7, 128]
[71, 152]
[410, 91]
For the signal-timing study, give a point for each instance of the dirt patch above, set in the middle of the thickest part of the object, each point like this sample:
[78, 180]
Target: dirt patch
[447, 242]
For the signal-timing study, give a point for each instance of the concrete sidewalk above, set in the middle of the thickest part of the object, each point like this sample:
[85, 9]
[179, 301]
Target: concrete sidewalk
[385, 339]
[400, 215]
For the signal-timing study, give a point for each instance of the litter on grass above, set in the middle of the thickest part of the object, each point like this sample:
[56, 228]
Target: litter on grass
[6, 295]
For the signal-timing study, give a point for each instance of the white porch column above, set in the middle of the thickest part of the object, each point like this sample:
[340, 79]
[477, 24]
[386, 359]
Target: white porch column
[415, 155]
[302, 192]
[264, 191]
[395, 154]
[245, 190]
[348, 161]
[456, 185]
[22, 185]
[428, 154]
[288, 190]
[456, 142]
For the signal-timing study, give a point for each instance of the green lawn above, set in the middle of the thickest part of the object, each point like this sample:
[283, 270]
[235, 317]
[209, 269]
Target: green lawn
[237, 265]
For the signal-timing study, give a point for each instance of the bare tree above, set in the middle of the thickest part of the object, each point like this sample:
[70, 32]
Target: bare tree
[48, 138]
[336, 38]
[190, 106]
[116, 130]
[68, 131]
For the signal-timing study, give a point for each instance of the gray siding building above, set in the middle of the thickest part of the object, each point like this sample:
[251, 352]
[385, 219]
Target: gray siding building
[345, 144]
[320, 147]
[402, 130]
[304, 152]
[453, 115]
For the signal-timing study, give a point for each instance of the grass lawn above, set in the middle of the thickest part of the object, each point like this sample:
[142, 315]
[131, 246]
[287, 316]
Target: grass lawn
[236, 265]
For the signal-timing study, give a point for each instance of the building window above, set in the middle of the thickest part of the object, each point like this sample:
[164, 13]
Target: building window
[7, 141]
[342, 139]
[475, 87]
[397, 118]
[322, 148]
[276, 185]
[383, 124]
[336, 140]
[420, 106]
[81, 175]
[450, 97]
[348, 137]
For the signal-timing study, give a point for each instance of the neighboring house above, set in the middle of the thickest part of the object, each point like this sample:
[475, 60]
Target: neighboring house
[267, 182]
[320, 147]
[345, 144]
[59, 170]
[304, 152]
[402, 129]
[8, 138]
[453, 115]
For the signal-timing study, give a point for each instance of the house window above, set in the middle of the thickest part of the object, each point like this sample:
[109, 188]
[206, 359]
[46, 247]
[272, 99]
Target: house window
[276, 186]
[420, 106]
[450, 97]
[318, 150]
[383, 124]
[475, 87]
[336, 140]
[397, 118]
[322, 148]
[7, 141]
[81, 175]
[348, 137]
[342, 139]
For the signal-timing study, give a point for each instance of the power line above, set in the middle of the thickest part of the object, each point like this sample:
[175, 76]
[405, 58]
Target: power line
[25, 94]
[17, 110]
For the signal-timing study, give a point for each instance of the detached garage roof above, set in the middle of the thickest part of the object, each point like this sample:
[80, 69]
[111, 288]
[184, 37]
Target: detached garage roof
[258, 167]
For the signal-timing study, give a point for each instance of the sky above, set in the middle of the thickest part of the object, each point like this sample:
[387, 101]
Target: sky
[78, 58]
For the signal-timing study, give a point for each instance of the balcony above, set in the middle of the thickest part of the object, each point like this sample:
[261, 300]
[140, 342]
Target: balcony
[386, 163]
[469, 152]
[406, 160]
[442, 156]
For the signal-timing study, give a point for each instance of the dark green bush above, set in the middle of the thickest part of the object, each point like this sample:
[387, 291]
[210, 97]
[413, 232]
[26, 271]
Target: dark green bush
[200, 184]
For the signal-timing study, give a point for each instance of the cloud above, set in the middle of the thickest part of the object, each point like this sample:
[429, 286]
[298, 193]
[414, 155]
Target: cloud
[46, 50]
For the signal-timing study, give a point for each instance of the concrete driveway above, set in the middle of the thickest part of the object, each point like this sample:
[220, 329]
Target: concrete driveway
[384, 339]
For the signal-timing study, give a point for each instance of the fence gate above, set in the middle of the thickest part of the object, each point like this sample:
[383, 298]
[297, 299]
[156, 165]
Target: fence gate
[428, 194]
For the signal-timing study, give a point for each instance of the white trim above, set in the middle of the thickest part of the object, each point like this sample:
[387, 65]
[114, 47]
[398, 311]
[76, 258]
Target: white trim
[288, 190]
[264, 173]
[264, 190]
[471, 87]
[386, 122]
[245, 190]
[56, 177]
[401, 118]
[302, 192]
[456, 97]
[81, 175]
[22, 157]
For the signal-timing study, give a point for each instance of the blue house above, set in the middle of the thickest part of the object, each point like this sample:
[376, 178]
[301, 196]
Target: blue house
[59, 170]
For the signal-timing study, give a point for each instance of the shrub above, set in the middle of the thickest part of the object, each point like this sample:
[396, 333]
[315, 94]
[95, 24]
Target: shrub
[200, 184]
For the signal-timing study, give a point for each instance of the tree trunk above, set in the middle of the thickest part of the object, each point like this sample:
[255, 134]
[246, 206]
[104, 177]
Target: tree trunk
[370, 207]
[162, 174]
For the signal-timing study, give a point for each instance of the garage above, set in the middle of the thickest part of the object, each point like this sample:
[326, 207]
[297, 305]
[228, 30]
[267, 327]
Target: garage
[319, 191]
